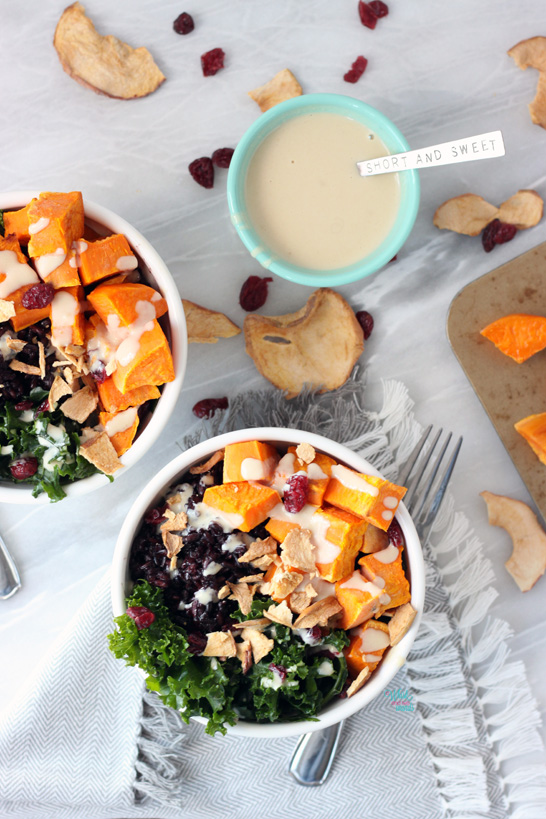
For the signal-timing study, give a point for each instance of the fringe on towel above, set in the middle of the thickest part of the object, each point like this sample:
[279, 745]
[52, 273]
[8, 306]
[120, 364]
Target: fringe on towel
[458, 665]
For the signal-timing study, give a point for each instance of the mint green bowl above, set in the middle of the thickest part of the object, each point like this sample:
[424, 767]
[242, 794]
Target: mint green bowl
[264, 125]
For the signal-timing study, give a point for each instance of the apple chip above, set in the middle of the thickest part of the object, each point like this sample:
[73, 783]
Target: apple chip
[207, 326]
[259, 548]
[297, 550]
[301, 600]
[220, 644]
[80, 406]
[467, 214]
[306, 453]
[23, 367]
[316, 346]
[7, 310]
[357, 684]
[259, 623]
[15, 344]
[212, 461]
[175, 522]
[261, 645]
[59, 388]
[280, 614]
[528, 559]
[283, 583]
[243, 594]
[318, 614]
[244, 654]
[531, 53]
[100, 451]
[523, 209]
[283, 86]
[400, 622]
[172, 543]
[106, 65]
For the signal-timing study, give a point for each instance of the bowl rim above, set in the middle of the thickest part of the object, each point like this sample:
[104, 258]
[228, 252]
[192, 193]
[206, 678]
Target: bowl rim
[17, 493]
[393, 660]
[261, 128]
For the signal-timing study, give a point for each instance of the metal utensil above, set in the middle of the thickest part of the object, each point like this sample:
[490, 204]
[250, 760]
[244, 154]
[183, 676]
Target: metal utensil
[9, 570]
[314, 754]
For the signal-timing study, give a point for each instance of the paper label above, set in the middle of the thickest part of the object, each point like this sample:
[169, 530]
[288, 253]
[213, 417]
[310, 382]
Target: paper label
[482, 146]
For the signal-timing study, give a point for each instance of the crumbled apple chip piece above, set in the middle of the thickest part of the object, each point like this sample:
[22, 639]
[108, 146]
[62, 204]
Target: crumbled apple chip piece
[259, 623]
[528, 559]
[531, 53]
[7, 309]
[400, 622]
[15, 344]
[175, 522]
[59, 388]
[299, 601]
[106, 65]
[172, 543]
[220, 644]
[207, 326]
[297, 550]
[224, 592]
[280, 614]
[80, 406]
[208, 464]
[357, 684]
[244, 654]
[467, 214]
[316, 346]
[100, 451]
[283, 86]
[259, 548]
[523, 210]
[306, 453]
[23, 367]
[243, 594]
[283, 584]
[251, 578]
[261, 645]
[318, 614]
[41, 359]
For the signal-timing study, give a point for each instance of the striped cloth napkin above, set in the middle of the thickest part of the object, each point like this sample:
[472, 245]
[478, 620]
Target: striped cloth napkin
[86, 740]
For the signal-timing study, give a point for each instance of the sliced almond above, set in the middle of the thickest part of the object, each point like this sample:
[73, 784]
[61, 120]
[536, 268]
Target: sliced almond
[207, 326]
[528, 559]
[523, 210]
[283, 86]
[357, 684]
[280, 614]
[261, 645]
[100, 452]
[467, 214]
[80, 406]
[318, 614]
[207, 465]
[400, 622]
[106, 65]
[316, 347]
[297, 550]
[220, 644]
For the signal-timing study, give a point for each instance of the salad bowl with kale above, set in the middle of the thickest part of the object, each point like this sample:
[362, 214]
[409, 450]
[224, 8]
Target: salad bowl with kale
[255, 633]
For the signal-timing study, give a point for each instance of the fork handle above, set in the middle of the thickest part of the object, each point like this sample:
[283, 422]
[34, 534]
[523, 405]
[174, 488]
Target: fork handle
[314, 755]
[13, 581]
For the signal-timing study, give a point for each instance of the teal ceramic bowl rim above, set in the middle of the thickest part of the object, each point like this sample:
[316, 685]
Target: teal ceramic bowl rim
[264, 125]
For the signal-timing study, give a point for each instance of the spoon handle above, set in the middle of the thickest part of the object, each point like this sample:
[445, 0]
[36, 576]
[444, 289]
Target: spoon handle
[13, 581]
[314, 755]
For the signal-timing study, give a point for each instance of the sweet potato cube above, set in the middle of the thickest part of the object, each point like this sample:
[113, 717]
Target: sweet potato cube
[65, 275]
[359, 599]
[114, 401]
[372, 498]
[249, 461]
[121, 300]
[55, 220]
[391, 573]
[105, 257]
[16, 223]
[121, 428]
[533, 429]
[23, 317]
[67, 322]
[151, 363]
[248, 503]
[368, 643]
[344, 531]
[318, 474]
[280, 528]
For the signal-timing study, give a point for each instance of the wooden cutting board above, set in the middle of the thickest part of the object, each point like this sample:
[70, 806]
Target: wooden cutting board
[507, 390]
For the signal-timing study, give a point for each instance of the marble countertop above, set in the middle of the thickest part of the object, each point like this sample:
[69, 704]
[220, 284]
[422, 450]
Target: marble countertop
[439, 71]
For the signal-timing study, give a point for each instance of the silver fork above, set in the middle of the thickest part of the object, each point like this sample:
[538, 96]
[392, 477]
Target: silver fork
[9, 570]
[314, 753]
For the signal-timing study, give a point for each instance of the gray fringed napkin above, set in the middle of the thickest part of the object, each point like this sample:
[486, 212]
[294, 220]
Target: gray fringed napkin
[85, 740]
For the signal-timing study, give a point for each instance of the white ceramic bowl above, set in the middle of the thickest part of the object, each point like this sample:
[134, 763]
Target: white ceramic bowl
[154, 272]
[393, 658]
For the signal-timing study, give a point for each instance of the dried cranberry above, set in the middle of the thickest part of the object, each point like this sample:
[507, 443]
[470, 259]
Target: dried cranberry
[24, 468]
[196, 643]
[253, 293]
[142, 616]
[365, 320]
[379, 8]
[396, 536]
[357, 69]
[38, 296]
[43, 407]
[99, 372]
[208, 406]
[202, 170]
[184, 23]
[155, 515]
[497, 233]
[367, 17]
[314, 635]
[212, 61]
[222, 157]
[280, 669]
[23, 405]
[295, 493]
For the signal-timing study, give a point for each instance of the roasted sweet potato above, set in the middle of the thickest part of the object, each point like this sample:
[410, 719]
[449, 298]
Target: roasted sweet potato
[112, 400]
[16, 223]
[367, 496]
[367, 646]
[344, 530]
[121, 428]
[67, 322]
[105, 257]
[122, 300]
[359, 599]
[249, 503]
[396, 585]
[249, 460]
[151, 362]
[55, 221]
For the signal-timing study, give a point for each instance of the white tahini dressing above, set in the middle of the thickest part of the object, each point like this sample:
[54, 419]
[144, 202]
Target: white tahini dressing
[126, 263]
[46, 264]
[121, 421]
[387, 555]
[16, 273]
[64, 309]
[129, 347]
[352, 480]
[315, 473]
[38, 225]
[318, 525]
[373, 639]
[254, 469]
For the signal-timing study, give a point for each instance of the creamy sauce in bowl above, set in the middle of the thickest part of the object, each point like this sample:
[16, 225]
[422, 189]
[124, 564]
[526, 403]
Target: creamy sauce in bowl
[306, 199]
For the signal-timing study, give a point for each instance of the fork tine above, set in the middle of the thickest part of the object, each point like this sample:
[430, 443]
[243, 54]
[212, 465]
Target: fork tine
[425, 491]
[416, 451]
[417, 478]
[432, 512]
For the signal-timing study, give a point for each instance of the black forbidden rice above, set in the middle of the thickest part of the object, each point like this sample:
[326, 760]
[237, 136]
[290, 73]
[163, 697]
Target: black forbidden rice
[149, 561]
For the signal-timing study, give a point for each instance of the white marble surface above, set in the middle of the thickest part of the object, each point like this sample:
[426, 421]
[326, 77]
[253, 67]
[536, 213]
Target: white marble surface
[438, 70]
